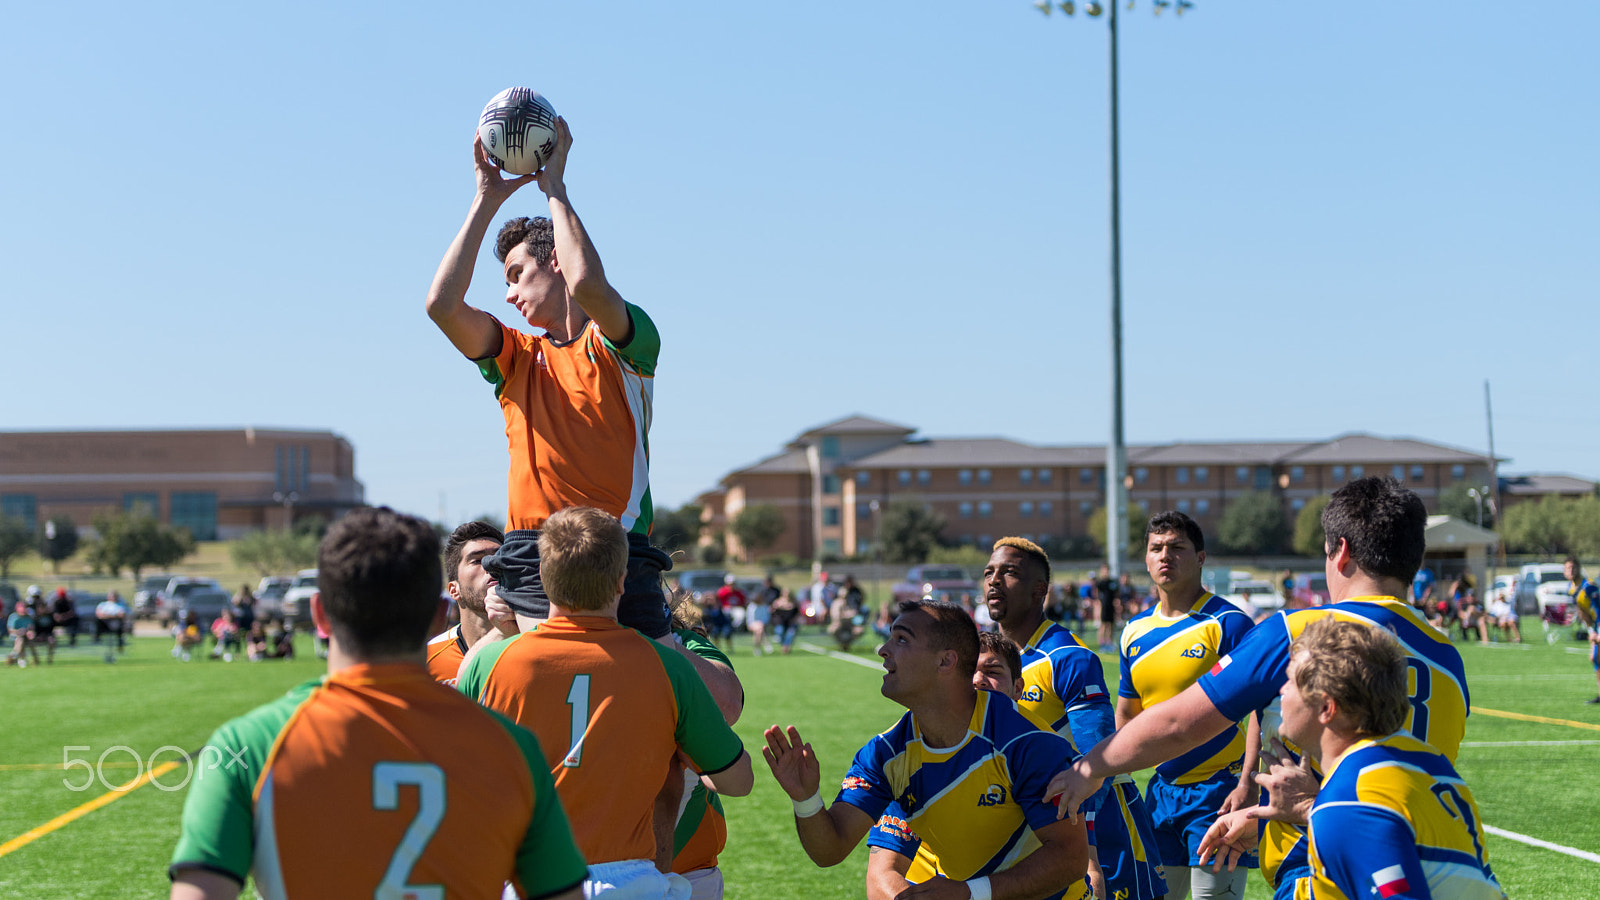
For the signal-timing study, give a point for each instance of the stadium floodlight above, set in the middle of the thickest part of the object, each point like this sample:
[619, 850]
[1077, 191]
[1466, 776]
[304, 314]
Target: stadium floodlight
[1043, 6]
[1093, 9]
[1068, 7]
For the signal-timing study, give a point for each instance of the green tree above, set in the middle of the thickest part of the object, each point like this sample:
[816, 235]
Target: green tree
[282, 550]
[1135, 518]
[677, 529]
[16, 539]
[1308, 537]
[908, 530]
[758, 527]
[1554, 525]
[58, 540]
[1252, 524]
[136, 541]
[1455, 501]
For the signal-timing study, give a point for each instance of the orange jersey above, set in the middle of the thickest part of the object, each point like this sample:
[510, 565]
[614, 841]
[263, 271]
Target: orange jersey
[445, 654]
[578, 422]
[610, 707]
[377, 781]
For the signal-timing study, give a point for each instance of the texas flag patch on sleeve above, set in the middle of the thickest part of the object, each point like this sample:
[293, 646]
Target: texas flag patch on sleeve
[1390, 881]
[1221, 664]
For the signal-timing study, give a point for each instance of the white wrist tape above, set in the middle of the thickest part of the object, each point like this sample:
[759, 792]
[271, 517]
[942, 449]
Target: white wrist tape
[979, 888]
[805, 809]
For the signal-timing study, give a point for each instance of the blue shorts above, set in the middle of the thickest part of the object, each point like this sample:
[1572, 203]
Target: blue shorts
[1182, 813]
[1287, 879]
[1124, 839]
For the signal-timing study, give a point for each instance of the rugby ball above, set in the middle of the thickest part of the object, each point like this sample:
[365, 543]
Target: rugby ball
[518, 130]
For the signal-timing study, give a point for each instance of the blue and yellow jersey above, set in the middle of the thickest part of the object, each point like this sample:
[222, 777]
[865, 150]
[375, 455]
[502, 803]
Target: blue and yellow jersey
[1249, 679]
[893, 832]
[976, 804]
[1161, 656]
[1064, 686]
[1392, 820]
[1587, 597]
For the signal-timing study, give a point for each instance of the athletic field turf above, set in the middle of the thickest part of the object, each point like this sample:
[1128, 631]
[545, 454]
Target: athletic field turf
[1532, 756]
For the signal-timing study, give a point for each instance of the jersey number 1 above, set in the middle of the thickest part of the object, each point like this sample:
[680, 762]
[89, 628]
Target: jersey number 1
[578, 699]
[429, 780]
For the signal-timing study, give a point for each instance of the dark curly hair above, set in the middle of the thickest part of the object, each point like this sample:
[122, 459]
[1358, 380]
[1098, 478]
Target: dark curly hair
[536, 233]
[1384, 524]
[1174, 522]
[465, 534]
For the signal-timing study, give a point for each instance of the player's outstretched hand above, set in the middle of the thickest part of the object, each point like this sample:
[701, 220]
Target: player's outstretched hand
[793, 763]
[552, 178]
[492, 185]
[936, 888]
[1291, 786]
[1230, 838]
[1070, 788]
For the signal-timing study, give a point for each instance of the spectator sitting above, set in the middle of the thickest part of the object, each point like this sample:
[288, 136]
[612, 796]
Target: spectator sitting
[20, 627]
[65, 615]
[185, 635]
[1469, 612]
[224, 636]
[255, 641]
[843, 622]
[785, 620]
[1503, 617]
[282, 641]
[111, 617]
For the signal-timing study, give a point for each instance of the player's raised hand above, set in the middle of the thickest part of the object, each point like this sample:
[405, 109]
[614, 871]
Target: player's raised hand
[1230, 838]
[552, 178]
[1291, 786]
[792, 761]
[492, 185]
[1070, 788]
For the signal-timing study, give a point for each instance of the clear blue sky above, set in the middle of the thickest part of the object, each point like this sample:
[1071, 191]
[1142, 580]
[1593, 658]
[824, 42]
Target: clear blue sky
[1336, 217]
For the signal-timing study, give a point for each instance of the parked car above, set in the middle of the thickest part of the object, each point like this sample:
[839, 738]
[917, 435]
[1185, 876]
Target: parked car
[84, 603]
[1263, 595]
[170, 599]
[1541, 585]
[269, 595]
[8, 593]
[941, 581]
[205, 604]
[697, 582]
[296, 603]
[1310, 589]
[145, 603]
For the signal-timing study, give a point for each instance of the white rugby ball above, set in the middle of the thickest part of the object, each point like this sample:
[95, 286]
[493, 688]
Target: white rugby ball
[518, 130]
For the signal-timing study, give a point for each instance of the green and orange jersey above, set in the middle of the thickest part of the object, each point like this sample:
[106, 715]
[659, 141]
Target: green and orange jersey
[445, 653]
[610, 707]
[377, 781]
[702, 830]
[577, 422]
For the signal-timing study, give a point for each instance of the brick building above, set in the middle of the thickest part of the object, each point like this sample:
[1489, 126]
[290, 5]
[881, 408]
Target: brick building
[216, 483]
[827, 479]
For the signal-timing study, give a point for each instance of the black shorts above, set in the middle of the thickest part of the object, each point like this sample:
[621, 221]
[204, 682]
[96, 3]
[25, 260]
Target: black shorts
[644, 604]
[1108, 611]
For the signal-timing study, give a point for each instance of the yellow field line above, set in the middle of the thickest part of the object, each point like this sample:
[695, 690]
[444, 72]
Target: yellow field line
[33, 834]
[1523, 717]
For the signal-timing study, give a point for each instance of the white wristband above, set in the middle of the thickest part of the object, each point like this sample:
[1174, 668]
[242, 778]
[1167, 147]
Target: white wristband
[805, 809]
[978, 887]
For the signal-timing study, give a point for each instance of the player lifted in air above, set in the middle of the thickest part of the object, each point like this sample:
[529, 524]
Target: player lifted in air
[1373, 528]
[577, 400]
[611, 707]
[468, 585]
[1164, 650]
[1393, 819]
[966, 768]
[375, 781]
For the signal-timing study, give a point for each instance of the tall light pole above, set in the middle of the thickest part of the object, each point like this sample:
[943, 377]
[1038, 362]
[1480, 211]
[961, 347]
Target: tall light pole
[1116, 447]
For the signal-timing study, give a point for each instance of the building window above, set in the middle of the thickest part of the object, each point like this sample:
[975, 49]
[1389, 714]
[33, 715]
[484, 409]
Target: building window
[905, 476]
[1458, 472]
[305, 469]
[1297, 504]
[924, 476]
[863, 478]
[1416, 473]
[830, 515]
[1025, 509]
[1201, 507]
[985, 540]
[1085, 508]
[1181, 475]
[1201, 473]
[196, 511]
[985, 476]
[1398, 472]
[1086, 476]
[830, 445]
[1263, 478]
[830, 484]
[1025, 476]
[1183, 507]
[863, 509]
[1046, 509]
[1044, 476]
[1241, 474]
[830, 546]
[965, 509]
[147, 503]
[1297, 474]
[985, 509]
[19, 506]
[1338, 473]
[964, 476]
[1141, 475]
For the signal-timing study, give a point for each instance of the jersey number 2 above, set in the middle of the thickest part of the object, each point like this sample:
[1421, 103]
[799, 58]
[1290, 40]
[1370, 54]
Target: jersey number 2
[429, 780]
[578, 699]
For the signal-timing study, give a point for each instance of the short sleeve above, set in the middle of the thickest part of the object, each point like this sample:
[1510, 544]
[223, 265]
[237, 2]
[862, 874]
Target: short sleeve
[644, 345]
[1235, 625]
[702, 732]
[1034, 759]
[475, 677]
[1249, 678]
[218, 825]
[701, 646]
[1368, 851]
[893, 832]
[1125, 686]
[865, 787]
[548, 861]
[500, 368]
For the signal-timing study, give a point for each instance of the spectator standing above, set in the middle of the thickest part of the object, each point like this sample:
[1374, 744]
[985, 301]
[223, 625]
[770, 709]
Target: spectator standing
[785, 619]
[759, 614]
[44, 623]
[244, 608]
[1105, 595]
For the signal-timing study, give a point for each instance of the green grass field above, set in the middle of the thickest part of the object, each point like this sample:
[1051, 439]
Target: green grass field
[147, 701]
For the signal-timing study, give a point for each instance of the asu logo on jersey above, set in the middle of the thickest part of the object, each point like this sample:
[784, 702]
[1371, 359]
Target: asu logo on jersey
[1033, 694]
[994, 796]
[1196, 650]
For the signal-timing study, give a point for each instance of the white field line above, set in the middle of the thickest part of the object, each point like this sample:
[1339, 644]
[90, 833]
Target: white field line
[1586, 676]
[1504, 646]
[813, 648]
[1535, 842]
[1576, 650]
[1528, 743]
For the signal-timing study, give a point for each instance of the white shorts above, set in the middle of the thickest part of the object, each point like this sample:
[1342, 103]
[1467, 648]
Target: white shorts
[633, 879]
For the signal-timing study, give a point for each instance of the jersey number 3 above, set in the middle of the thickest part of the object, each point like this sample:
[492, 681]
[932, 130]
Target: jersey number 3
[429, 780]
